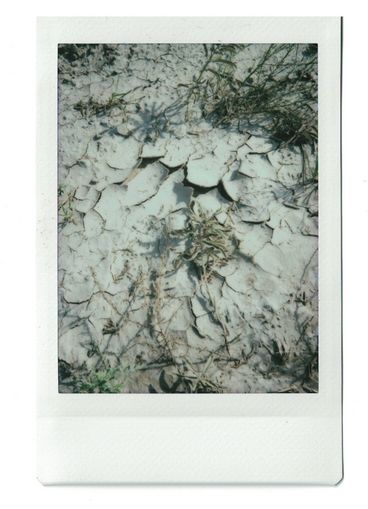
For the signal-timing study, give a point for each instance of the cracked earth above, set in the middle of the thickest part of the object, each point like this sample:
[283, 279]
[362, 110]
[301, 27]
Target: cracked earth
[188, 253]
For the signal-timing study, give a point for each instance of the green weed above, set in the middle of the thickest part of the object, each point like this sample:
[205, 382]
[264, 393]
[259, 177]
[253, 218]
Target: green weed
[106, 380]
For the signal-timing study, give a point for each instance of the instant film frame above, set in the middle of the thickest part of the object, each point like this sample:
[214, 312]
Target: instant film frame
[192, 438]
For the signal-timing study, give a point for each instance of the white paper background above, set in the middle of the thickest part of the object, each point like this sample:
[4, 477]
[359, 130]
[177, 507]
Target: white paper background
[20, 486]
[288, 443]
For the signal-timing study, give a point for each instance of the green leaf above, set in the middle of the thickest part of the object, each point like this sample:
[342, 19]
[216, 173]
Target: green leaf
[163, 384]
[219, 74]
[223, 61]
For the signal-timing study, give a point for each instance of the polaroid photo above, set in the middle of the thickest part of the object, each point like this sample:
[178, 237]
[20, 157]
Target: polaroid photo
[189, 250]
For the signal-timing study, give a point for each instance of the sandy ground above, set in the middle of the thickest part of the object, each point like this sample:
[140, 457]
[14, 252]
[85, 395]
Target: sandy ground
[188, 252]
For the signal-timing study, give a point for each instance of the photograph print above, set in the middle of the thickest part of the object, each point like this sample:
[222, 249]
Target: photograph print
[188, 218]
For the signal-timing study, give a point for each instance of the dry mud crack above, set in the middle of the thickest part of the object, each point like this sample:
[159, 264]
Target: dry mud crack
[188, 250]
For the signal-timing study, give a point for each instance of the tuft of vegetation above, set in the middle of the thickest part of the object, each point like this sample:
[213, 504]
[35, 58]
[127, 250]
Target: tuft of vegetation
[209, 242]
[78, 59]
[277, 93]
[99, 382]
[110, 327]
[104, 380]
[185, 383]
[92, 107]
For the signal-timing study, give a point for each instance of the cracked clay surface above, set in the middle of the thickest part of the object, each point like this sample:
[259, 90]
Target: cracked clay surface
[188, 251]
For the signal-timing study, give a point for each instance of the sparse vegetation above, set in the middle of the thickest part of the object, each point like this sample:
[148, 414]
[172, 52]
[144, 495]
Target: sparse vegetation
[65, 207]
[79, 59]
[209, 242]
[82, 380]
[185, 383]
[158, 293]
[92, 107]
[278, 92]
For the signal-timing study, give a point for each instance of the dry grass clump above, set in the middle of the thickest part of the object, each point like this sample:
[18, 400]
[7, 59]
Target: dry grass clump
[278, 92]
[209, 242]
[92, 107]
[66, 211]
[79, 59]
[188, 382]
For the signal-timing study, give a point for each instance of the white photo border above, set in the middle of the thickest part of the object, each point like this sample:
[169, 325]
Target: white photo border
[193, 438]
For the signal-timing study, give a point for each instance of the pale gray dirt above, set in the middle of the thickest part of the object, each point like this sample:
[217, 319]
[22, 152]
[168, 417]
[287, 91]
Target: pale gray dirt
[129, 181]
